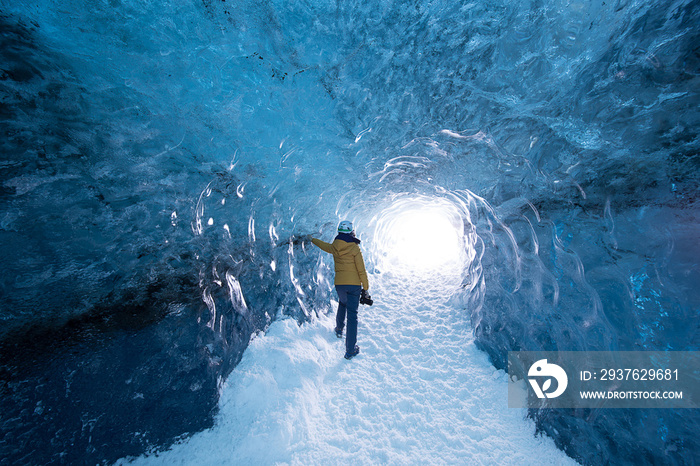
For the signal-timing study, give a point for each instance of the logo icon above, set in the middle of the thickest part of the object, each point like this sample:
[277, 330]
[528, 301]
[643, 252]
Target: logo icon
[542, 368]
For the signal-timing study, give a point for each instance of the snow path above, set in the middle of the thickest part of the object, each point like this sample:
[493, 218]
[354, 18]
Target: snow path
[418, 393]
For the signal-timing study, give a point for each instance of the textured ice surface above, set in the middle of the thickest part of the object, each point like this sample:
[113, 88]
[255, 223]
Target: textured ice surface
[158, 157]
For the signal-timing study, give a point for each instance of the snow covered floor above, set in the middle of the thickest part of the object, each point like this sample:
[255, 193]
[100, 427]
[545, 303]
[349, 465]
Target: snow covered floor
[418, 393]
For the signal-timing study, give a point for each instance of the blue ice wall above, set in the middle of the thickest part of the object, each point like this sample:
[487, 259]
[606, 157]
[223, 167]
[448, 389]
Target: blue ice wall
[157, 157]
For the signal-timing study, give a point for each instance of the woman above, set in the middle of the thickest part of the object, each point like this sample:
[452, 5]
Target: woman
[350, 282]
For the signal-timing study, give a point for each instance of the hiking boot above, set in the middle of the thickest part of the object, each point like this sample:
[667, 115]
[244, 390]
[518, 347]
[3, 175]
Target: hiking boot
[353, 354]
[339, 333]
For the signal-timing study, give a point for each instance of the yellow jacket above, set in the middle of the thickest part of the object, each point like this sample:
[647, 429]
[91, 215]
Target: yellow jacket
[349, 264]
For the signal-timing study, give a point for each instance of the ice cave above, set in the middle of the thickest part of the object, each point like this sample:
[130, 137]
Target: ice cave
[523, 176]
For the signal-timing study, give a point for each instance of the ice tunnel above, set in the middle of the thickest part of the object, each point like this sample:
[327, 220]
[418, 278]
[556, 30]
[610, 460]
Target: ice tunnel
[523, 175]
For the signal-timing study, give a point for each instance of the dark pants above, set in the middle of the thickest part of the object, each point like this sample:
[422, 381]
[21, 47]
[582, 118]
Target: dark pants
[348, 302]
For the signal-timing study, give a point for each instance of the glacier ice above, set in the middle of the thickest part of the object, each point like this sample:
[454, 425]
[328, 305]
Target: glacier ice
[160, 161]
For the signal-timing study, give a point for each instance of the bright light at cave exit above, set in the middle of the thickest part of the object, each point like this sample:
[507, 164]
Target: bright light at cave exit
[418, 235]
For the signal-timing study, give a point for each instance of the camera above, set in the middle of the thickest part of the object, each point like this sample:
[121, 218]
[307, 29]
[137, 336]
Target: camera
[365, 298]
